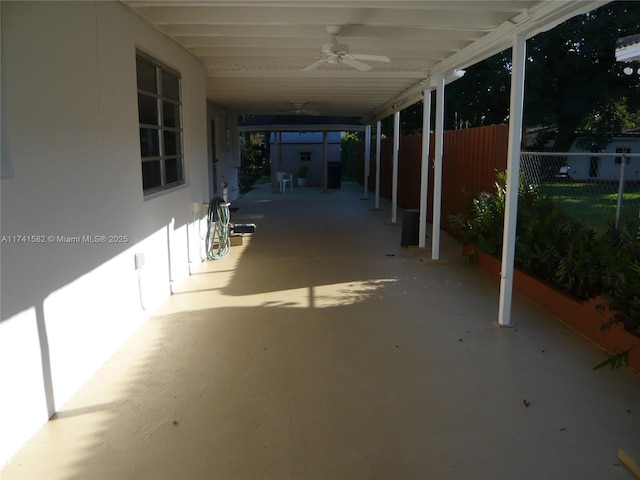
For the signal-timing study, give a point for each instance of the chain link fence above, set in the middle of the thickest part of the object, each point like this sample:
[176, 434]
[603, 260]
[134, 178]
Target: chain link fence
[601, 189]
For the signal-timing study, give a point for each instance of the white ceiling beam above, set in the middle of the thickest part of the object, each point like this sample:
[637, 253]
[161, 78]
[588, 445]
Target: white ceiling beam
[282, 54]
[323, 75]
[402, 33]
[357, 45]
[229, 64]
[511, 6]
[269, 15]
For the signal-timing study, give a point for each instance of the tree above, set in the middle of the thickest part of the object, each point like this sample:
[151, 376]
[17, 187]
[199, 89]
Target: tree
[572, 81]
[481, 97]
[254, 156]
[572, 74]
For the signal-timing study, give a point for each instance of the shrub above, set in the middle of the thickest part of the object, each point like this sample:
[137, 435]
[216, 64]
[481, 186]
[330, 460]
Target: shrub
[621, 267]
[557, 248]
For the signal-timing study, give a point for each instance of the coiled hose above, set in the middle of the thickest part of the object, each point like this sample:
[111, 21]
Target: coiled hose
[218, 241]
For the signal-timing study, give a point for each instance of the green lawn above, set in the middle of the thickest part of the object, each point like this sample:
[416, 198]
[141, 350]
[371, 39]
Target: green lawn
[595, 202]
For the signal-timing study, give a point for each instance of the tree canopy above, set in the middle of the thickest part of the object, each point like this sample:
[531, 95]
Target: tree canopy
[572, 81]
[572, 77]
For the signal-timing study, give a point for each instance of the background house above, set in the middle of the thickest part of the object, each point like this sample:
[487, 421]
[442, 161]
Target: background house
[628, 48]
[302, 139]
[292, 150]
[588, 167]
[606, 168]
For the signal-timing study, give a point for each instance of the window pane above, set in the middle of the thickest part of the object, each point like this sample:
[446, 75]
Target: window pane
[171, 114]
[151, 175]
[170, 87]
[148, 109]
[149, 142]
[173, 170]
[159, 118]
[172, 143]
[146, 76]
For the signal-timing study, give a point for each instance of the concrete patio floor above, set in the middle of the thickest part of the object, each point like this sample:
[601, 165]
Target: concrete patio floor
[322, 349]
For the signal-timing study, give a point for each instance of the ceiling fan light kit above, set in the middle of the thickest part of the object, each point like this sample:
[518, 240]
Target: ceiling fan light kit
[299, 108]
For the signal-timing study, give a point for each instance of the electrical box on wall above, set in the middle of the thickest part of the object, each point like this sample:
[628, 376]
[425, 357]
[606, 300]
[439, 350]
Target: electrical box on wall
[139, 260]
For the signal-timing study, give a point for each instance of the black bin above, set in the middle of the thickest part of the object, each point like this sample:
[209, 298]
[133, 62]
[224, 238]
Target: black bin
[334, 174]
[410, 227]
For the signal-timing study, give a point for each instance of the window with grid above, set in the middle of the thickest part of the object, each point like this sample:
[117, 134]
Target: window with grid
[623, 150]
[305, 156]
[159, 115]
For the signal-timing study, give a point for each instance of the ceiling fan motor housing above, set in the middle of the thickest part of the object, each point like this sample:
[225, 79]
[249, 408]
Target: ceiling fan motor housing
[335, 48]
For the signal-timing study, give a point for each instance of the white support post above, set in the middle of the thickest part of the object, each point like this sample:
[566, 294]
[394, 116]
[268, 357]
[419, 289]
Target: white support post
[513, 180]
[325, 164]
[437, 173]
[623, 161]
[278, 141]
[396, 149]
[424, 180]
[279, 150]
[367, 160]
[378, 135]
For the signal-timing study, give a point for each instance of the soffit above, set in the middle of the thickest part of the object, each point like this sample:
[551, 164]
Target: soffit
[254, 52]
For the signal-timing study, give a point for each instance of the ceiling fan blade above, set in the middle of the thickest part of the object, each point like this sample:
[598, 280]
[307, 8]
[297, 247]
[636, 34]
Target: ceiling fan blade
[363, 67]
[335, 52]
[371, 58]
[314, 65]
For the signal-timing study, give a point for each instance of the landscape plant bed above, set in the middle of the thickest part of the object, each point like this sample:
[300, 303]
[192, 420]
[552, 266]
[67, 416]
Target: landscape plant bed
[585, 317]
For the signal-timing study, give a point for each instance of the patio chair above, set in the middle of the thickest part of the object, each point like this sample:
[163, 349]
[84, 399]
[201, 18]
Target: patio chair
[563, 173]
[283, 179]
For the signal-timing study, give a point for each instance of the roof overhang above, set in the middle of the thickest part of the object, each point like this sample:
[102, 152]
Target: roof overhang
[255, 53]
[628, 49]
[300, 123]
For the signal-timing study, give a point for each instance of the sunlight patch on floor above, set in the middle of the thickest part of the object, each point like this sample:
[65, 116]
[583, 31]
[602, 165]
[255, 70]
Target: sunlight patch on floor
[313, 296]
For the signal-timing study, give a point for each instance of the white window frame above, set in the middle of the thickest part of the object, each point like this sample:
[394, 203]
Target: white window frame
[305, 156]
[161, 158]
[624, 150]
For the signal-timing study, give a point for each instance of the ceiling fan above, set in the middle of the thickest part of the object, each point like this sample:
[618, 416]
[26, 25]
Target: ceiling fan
[335, 52]
[298, 108]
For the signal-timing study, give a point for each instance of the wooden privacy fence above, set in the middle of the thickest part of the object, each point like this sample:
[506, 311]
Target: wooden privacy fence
[469, 162]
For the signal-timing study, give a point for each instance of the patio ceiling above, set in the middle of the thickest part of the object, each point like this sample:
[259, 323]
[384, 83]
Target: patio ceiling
[254, 52]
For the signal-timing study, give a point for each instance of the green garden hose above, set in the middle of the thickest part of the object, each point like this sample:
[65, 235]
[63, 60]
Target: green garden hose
[218, 241]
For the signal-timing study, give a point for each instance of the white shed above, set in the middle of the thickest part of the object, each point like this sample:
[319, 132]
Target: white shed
[293, 151]
[606, 168]
[299, 140]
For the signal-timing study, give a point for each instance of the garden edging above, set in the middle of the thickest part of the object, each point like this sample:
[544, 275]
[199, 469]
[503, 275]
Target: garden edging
[583, 317]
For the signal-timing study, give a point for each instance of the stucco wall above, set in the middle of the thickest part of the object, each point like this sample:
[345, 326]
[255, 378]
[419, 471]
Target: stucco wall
[71, 167]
